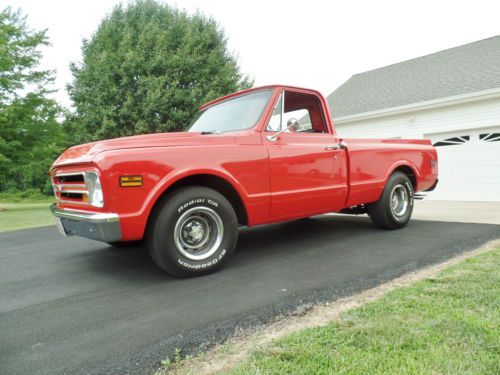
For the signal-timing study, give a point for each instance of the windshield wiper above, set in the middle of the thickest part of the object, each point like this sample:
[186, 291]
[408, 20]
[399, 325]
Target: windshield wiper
[210, 132]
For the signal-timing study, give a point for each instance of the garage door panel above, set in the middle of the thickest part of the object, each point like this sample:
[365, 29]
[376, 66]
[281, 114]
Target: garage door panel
[476, 163]
[470, 154]
[469, 165]
[488, 171]
[471, 181]
[467, 192]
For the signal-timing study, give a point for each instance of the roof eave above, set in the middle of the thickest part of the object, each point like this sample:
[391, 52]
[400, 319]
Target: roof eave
[428, 104]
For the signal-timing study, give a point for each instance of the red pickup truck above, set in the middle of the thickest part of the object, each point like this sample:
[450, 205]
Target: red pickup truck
[258, 156]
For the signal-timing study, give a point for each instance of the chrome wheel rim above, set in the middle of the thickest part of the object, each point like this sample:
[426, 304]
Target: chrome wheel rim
[198, 233]
[400, 200]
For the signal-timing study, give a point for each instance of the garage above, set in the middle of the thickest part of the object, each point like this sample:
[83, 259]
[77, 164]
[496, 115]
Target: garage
[469, 165]
[451, 97]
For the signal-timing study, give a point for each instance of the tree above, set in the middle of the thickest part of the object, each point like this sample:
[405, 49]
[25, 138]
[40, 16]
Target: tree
[30, 136]
[147, 68]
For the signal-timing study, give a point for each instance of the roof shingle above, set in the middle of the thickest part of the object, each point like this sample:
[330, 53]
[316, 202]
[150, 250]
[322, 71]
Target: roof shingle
[465, 69]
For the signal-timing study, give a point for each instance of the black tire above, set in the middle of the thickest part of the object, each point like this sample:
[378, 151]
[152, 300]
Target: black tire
[185, 237]
[389, 214]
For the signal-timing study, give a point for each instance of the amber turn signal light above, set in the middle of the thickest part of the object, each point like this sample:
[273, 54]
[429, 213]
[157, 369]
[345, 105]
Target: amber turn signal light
[130, 181]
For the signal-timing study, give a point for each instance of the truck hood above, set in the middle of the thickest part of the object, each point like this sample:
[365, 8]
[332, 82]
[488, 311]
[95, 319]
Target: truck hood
[86, 152]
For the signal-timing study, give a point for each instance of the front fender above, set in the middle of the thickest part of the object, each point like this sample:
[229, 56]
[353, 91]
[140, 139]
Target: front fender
[171, 179]
[244, 168]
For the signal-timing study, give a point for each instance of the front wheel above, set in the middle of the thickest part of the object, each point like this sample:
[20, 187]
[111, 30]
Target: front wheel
[394, 208]
[193, 232]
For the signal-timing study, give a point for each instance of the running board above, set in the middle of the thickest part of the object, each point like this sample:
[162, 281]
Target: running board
[419, 196]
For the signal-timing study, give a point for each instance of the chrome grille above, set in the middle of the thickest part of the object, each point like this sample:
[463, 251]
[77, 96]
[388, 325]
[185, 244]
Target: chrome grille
[70, 188]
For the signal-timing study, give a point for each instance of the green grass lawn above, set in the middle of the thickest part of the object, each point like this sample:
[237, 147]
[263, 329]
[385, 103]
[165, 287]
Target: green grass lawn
[449, 324]
[24, 215]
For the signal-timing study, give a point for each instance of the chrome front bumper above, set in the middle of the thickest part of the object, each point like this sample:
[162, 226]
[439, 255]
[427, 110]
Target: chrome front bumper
[96, 226]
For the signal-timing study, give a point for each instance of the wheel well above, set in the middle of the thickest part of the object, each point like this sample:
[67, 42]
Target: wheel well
[216, 183]
[410, 173]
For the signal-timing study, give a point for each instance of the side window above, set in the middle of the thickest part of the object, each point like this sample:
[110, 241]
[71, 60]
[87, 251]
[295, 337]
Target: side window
[302, 116]
[305, 108]
[275, 122]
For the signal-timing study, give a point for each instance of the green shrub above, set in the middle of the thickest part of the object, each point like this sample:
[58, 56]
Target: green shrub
[28, 195]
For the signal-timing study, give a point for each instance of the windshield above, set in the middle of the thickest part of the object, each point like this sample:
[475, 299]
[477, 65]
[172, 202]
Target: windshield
[239, 113]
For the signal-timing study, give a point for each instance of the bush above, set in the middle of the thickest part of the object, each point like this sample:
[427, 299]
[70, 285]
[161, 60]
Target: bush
[28, 195]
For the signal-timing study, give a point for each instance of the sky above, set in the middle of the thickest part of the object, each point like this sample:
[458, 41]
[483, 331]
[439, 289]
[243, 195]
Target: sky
[315, 44]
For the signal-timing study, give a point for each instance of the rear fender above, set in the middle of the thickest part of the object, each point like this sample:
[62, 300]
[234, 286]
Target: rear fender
[403, 163]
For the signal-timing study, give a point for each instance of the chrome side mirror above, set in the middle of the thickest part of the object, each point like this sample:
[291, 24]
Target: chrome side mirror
[291, 124]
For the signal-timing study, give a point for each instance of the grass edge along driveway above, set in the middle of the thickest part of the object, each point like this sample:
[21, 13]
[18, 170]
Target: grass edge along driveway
[443, 324]
[449, 324]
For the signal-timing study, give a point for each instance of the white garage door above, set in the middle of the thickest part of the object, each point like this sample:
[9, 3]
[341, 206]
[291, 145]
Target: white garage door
[469, 165]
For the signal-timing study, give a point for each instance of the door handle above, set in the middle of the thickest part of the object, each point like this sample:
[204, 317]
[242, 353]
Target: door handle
[332, 147]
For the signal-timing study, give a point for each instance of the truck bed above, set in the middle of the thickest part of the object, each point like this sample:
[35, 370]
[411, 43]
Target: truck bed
[370, 161]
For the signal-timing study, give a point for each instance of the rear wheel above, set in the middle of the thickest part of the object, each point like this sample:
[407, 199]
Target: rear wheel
[394, 208]
[194, 231]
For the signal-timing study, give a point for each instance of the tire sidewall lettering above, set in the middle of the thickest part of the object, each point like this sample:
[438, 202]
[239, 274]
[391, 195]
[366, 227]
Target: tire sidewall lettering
[199, 266]
[197, 201]
[409, 190]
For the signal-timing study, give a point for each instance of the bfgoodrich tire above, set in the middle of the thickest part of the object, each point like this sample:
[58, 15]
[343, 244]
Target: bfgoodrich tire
[194, 231]
[394, 208]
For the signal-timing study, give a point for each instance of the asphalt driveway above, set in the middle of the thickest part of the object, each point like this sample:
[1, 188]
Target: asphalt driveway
[70, 305]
